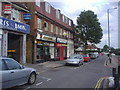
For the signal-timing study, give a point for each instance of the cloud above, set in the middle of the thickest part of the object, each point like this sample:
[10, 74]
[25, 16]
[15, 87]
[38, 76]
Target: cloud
[72, 9]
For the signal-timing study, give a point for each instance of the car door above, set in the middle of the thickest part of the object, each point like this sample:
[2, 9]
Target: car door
[14, 75]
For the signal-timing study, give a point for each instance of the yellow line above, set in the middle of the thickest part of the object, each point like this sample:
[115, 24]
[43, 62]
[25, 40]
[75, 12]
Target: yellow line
[99, 83]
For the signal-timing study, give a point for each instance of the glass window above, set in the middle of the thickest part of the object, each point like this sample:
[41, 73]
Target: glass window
[12, 64]
[51, 28]
[39, 23]
[61, 31]
[70, 22]
[63, 18]
[46, 26]
[2, 65]
[56, 30]
[37, 2]
[47, 7]
[40, 52]
[15, 15]
[58, 14]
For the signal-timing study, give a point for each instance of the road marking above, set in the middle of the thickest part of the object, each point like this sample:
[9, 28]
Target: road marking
[27, 88]
[39, 83]
[99, 83]
[49, 79]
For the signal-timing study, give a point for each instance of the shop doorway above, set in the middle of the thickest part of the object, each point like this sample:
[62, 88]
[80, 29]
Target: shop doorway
[15, 46]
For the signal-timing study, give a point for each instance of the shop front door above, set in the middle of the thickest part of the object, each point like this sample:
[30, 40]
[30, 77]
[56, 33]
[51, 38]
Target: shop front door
[61, 53]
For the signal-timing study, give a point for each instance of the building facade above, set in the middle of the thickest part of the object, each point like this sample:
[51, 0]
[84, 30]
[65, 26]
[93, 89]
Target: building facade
[51, 36]
[13, 31]
[119, 24]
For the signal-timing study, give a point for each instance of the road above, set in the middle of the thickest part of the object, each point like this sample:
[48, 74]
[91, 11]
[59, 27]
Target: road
[84, 76]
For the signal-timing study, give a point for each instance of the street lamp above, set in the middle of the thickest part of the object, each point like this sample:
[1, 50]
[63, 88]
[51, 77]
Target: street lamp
[108, 11]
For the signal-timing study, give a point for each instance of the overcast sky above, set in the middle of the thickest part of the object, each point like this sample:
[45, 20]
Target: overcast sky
[72, 9]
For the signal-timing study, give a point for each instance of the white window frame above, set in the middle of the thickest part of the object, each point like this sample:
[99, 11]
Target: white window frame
[57, 30]
[70, 22]
[46, 28]
[37, 2]
[47, 7]
[15, 14]
[61, 31]
[51, 28]
[63, 18]
[57, 14]
[39, 23]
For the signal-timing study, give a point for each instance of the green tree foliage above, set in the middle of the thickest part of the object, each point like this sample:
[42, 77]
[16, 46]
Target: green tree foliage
[105, 48]
[89, 27]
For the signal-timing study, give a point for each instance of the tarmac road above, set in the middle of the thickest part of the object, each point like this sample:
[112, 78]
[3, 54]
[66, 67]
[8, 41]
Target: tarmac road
[85, 76]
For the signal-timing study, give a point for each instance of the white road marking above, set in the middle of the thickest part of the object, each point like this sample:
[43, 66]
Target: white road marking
[49, 79]
[39, 83]
[27, 88]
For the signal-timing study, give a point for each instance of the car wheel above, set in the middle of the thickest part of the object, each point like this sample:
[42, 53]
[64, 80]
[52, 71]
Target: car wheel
[32, 78]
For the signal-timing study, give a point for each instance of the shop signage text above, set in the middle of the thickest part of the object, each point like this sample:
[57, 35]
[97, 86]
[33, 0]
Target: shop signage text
[60, 40]
[13, 25]
[61, 45]
[27, 16]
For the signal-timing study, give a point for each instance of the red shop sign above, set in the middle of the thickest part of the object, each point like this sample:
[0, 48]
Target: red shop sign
[7, 9]
[58, 45]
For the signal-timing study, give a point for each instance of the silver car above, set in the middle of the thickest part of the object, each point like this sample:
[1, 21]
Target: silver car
[13, 74]
[75, 59]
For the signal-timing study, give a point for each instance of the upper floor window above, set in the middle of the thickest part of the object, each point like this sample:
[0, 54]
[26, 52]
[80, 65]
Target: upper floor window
[66, 20]
[56, 30]
[63, 18]
[39, 23]
[51, 29]
[46, 26]
[15, 15]
[47, 7]
[70, 23]
[58, 14]
[61, 31]
[37, 2]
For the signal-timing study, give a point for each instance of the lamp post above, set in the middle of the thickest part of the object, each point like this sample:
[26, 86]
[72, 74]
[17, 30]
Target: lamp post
[114, 71]
[108, 11]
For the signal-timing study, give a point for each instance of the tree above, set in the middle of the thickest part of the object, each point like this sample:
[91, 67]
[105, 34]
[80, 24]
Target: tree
[105, 48]
[89, 27]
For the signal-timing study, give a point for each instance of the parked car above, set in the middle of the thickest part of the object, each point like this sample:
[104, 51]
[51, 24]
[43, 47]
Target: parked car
[86, 57]
[94, 55]
[75, 59]
[14, 74]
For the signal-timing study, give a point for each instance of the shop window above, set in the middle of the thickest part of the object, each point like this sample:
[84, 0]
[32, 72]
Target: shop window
[40, 52]
[47, 7]
[15, 15]
[65, 52]
[37, 2]
[57, 53]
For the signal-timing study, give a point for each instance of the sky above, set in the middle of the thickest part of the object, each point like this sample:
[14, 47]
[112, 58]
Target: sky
[73, 8]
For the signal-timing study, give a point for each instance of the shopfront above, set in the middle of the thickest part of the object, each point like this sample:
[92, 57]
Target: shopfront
[45, 47]
[61, 49]
[13, 39]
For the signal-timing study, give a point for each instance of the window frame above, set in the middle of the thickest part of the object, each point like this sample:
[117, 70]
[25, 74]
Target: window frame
[47, 7]
[37, 3]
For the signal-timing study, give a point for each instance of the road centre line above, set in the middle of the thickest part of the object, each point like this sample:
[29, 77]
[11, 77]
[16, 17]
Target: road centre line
[39, 83]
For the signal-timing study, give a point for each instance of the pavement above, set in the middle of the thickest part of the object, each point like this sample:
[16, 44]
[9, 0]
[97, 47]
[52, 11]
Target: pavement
[112, 62]
[42, 67]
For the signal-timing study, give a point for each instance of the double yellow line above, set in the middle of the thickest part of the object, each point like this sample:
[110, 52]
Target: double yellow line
[97, 87]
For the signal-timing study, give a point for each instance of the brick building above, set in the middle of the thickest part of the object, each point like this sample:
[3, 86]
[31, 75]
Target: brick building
[51, 36]
[13, 30]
